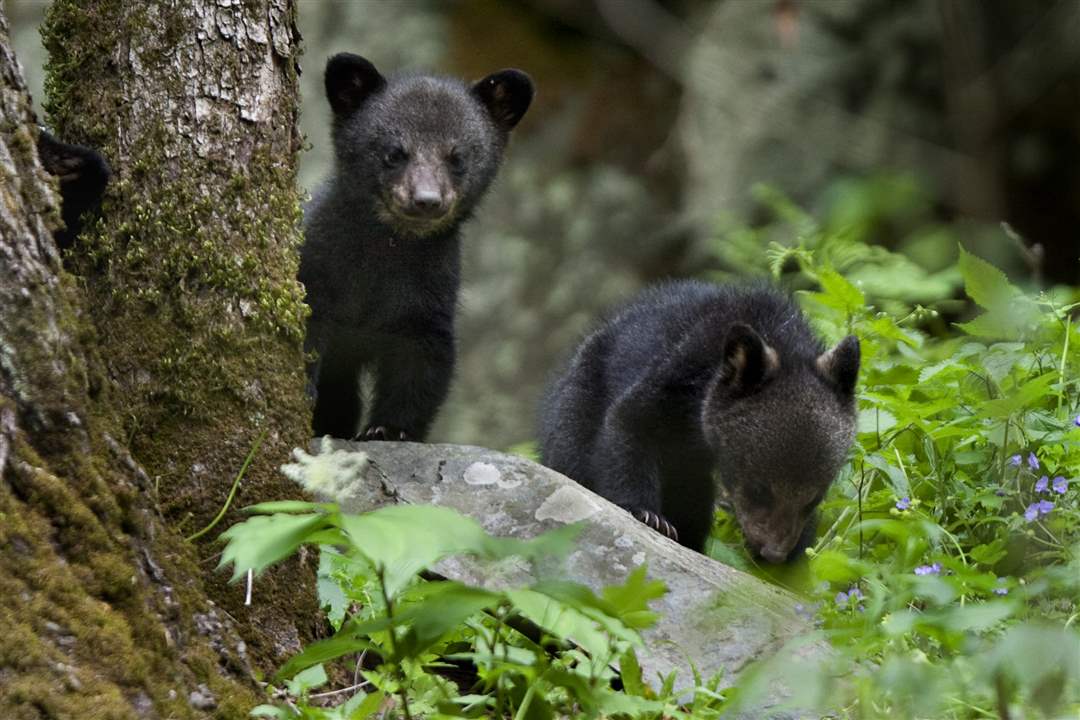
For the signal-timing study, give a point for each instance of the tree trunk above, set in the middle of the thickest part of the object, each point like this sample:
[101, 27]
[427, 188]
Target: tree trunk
[190, 277]
[176, 346]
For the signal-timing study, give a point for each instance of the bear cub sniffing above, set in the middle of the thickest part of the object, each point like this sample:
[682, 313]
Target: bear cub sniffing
[690, 377]
[381, 256]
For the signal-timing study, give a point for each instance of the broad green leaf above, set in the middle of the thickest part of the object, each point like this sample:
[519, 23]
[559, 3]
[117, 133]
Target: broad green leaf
[313, 677]
[984, 283]
[583, 599]
[836, 567]
[402, 540]
[263, 540]
[562, 621]
[872, 420]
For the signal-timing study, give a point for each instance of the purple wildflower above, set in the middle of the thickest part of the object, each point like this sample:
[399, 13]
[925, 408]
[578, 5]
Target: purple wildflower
[1041, 483]
[1076, 422]
[1060, 485]
[1034, 510]
[1001, 591]
[905, 502]
[1015, 461]
[854, 593]
[934, 569]
[1033, 462]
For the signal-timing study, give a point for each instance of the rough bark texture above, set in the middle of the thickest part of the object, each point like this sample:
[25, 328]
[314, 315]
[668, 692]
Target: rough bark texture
[189, 276]
[101, 609]
[716, 617]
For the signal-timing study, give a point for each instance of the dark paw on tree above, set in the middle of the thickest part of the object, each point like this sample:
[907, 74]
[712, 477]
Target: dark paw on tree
[658, 523]
[384, 432]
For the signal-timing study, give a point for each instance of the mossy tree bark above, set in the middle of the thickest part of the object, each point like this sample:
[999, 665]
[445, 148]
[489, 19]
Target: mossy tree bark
[132, 389]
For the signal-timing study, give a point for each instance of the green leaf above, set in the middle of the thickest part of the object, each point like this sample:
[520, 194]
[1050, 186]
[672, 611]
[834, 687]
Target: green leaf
[360, 707]
[442, 607]
[874, 420]
[333, 600]
[1028, 395]
[984, 283]
[989, 553]
[405, 539]
[836, 567]
[351, 638]
[261, 541]
[561, 620]
[313, 677]
[630, 600]
[630, 673]
[289, 506]
[840, 293]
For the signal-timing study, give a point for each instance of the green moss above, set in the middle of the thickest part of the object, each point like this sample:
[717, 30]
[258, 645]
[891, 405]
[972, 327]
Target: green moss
[189, 281]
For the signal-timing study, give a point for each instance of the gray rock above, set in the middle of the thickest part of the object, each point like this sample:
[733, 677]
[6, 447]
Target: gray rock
[716, 617]
[202, 699]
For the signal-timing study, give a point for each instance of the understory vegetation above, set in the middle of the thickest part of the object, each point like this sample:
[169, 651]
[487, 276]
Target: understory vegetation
[946, 574]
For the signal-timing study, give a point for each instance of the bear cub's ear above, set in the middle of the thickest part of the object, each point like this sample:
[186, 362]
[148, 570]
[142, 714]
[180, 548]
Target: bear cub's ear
[350, 81]
[748, 360]
[506, 95]
[840, 365]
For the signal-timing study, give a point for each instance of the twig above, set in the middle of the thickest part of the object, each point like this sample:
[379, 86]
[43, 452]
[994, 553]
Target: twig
[329, 693]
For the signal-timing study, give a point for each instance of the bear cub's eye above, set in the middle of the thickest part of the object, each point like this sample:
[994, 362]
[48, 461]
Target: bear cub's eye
[759, 495]
[395, 157]
[456, 160]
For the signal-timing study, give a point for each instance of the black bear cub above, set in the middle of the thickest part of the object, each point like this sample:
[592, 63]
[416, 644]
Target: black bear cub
[690, 377]
[83, 175]
[381, 256]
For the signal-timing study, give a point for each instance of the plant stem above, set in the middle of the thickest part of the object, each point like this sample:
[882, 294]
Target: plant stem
[232, 490]
[389, 604]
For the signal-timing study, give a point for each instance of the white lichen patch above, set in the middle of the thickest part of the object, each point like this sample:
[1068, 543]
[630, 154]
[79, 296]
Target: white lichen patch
[482, 473]
[332, 473]
[567, 505]
[624, 542]
[638, 558]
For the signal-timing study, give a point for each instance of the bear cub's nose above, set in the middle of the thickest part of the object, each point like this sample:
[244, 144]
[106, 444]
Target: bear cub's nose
[427, 202]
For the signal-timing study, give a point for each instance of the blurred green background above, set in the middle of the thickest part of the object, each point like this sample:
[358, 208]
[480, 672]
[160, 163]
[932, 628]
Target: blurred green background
[918, 125]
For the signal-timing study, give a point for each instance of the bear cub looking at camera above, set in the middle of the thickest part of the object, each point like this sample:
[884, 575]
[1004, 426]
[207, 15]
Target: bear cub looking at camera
[690, 377]
[381, 257]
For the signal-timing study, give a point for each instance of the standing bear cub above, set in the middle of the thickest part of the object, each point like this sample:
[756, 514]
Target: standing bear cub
[381, 258]
[691, 377]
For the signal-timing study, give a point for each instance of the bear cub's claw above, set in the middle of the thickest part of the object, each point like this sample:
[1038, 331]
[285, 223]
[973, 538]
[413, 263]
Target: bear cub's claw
[658, 523]
[384, 432]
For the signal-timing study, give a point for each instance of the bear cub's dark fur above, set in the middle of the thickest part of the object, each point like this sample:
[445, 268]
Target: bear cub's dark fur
[381, 256]
[83, 175]
[690, 377]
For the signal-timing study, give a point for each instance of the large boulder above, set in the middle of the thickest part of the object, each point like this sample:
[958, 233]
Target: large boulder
[714, 618]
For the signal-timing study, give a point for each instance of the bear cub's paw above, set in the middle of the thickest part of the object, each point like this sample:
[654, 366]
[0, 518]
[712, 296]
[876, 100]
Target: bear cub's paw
[384, 432]
[657, 522]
